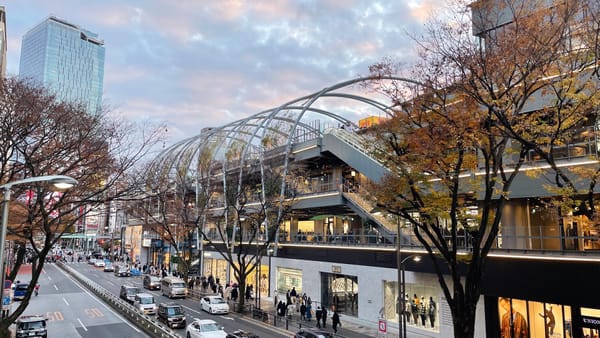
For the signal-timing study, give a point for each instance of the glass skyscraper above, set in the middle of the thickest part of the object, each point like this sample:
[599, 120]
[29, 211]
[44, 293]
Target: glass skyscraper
[65, 59]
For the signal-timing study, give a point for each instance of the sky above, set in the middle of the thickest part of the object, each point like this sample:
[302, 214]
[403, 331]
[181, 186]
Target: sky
[191, 64]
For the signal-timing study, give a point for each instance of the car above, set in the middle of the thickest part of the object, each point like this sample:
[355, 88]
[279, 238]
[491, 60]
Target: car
[109, 267]
[214, 305]
[151, 282]
[171, 314]
[99, 263]
[20, 290]
[135, 272]
[31, 326]
[92, 261]
[242, 334]
[204, 328]
[173, 287]
[122, 271]
[128, 292]
[313, 333]
[144, 302]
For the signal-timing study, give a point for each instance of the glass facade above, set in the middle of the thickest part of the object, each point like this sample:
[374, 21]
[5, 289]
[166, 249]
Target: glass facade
[420, 307]
[340, 292]
[67, 60]
[288, 279]
[523, 319]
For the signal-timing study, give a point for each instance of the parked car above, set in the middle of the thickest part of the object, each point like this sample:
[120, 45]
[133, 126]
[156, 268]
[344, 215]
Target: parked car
[205, 328]
[214, 305]
[122, 271]
[313, 333]
[135, 272]
[109, 267]
[151, 282]
[128, 292]
[171, 314]
[242, 334]
[31, 326]
[145, 303]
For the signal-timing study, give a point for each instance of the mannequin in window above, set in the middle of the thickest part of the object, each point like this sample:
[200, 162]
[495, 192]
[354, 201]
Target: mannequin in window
[548, 315]
[512, 322]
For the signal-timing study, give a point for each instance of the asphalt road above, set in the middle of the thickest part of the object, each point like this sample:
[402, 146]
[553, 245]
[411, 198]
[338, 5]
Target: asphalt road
[74, 312]
[112, 283]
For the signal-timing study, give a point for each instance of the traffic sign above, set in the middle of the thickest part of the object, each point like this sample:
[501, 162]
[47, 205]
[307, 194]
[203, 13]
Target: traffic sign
[382, 326]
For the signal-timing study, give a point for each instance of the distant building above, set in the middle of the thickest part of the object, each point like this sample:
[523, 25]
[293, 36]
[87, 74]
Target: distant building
[67, 60]
[2, 42]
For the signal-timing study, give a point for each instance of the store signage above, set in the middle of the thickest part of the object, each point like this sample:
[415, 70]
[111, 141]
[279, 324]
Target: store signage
[382, 326]
[146, 242]
[590, 322]
[336, 269]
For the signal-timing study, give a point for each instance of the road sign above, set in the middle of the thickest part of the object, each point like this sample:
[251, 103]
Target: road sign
[382, 326]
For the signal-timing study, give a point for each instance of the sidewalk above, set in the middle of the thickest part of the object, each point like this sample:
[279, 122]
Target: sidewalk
[351, 326]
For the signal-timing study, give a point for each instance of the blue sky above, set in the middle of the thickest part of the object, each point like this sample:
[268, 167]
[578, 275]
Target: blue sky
[192, 64]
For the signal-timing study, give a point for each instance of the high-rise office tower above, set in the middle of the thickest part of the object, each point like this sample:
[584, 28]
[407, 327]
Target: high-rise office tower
[67, 60]
[2, 42]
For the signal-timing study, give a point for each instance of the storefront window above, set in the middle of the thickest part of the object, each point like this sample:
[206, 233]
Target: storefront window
[590, 319]
[288, 279]
[523, 319]
[421, 306]
[546, 319]
[341, 292]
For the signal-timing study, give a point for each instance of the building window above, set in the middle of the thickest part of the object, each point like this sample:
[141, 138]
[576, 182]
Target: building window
[288, 279]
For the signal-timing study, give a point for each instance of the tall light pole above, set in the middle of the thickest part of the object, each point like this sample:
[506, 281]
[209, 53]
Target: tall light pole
[60, 182]
[402, 299]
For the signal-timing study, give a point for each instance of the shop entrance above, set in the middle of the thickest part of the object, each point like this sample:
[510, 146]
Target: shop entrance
[340, 291]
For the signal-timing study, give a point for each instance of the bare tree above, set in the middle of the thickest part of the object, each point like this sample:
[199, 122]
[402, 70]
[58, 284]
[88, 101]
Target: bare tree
[40, 136]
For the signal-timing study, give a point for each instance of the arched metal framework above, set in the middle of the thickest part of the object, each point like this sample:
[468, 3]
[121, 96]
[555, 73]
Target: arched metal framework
[275, 129]
[218, 152]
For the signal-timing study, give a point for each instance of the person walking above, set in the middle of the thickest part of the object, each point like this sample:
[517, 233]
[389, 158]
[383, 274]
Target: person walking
[303, 311]
[336, 320]
[318, 314]
[324, 315]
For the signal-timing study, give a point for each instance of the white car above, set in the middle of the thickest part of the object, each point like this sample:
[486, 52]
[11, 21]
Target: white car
[214, 305]
[205, 328]
[99, 263]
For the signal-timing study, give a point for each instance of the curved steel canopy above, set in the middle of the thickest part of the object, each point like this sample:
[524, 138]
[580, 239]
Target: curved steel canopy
[278, 128]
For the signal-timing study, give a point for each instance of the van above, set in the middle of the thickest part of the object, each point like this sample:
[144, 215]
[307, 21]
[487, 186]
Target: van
[20, 291]
[31, 326]
[128, 293]
[145, 303]
[122, 271]
[173, 287]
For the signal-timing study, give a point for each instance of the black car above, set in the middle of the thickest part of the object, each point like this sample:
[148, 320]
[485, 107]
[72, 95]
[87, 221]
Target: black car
[313, 333]
[171, 314]
[128, 292]
[151, 282]
[241, 334]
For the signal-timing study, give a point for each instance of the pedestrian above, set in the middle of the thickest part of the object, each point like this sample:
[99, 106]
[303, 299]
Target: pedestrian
[234, 293]
[37, 289]
[336, 320]
[308, 311]
[318, 314]
[303, 311]
[324, 315]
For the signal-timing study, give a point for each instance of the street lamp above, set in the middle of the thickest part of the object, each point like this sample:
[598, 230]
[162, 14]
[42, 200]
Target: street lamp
[402, 292]
[60, 182]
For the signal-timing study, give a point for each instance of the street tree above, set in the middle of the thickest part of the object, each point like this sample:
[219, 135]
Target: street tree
[41, 136]
[468, 117]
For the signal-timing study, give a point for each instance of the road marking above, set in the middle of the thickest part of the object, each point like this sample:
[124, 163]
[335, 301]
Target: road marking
[98, 300]
[83, 326]
[224, 317]
[64, 300]
[189, 308]
[49, 278]
[55, 287]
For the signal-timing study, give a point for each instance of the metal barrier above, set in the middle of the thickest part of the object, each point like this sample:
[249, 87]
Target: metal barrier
[149, 325]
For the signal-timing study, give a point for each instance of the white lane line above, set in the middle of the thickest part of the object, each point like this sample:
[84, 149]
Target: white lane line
[49, 278]
[55, 287]
[98, 300]
[64, 300]
[190, 309]
[83, 326]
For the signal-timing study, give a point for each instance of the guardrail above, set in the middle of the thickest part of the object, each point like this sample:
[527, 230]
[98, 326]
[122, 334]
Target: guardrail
[149, 325]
